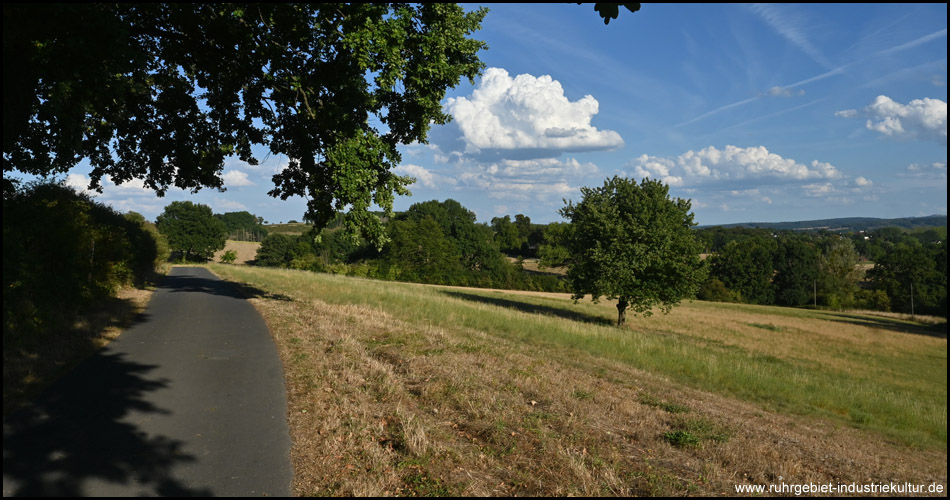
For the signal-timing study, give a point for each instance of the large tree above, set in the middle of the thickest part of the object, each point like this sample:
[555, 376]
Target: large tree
[633, 243]
[192, 229]
[167, 92]
[474, 242]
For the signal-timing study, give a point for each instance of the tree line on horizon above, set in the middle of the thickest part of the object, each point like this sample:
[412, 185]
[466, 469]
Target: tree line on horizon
[87, 250]
[442, 243]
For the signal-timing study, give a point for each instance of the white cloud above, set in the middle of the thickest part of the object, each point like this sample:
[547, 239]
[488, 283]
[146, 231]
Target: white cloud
[792, 26]
[730, 164]
[425, 177]
[920, 119]
[516, 190]
[784, 92]
[527, 113]
[934, 170]
[222, 205]
[543, 170]
[539, 181]
[862, 182]
[236, 178]
[80, 183]
[132, 187]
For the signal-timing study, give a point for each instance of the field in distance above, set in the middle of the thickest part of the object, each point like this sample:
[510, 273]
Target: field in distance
[246, 251]
[402, 389]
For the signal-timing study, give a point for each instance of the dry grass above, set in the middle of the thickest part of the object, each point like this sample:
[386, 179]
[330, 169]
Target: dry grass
[32, 364]
[246, 251]
[412, 396]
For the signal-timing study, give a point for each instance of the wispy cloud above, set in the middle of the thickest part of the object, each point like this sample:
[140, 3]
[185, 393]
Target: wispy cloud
[792, 27]
[719, 110]
[913, 43]
[840, 70]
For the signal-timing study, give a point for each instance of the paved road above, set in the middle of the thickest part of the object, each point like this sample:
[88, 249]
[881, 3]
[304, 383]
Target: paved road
[189, 401]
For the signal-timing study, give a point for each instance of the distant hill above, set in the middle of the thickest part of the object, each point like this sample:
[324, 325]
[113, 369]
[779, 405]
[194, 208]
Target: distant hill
[845, 224]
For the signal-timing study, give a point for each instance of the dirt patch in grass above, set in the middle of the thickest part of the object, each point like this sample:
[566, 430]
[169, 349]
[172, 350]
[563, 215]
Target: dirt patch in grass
[379, 406]
[32, 364]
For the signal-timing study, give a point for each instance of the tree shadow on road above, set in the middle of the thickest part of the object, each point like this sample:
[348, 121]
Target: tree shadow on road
[75, 433]
[191, 284]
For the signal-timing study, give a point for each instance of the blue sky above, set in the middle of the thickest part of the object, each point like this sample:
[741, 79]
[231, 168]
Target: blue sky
[760, 113]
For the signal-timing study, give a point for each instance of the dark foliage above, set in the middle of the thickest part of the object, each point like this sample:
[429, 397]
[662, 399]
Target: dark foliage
[63, 251]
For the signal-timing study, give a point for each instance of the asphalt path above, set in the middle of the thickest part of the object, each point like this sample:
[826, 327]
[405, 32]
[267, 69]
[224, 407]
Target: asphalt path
[189, 401]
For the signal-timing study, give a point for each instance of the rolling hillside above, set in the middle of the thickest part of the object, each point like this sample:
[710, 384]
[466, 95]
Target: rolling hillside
[403, 389]
[848, 224]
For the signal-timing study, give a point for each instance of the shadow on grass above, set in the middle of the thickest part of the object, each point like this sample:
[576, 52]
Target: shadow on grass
[890, 324]
[75, 433]
[530, 308]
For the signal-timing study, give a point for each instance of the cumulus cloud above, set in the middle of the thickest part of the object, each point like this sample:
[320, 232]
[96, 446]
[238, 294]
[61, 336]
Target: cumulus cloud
[425, 177]
[862, 182]
[543, 170]
[132, 187]
[527, 113]
[236, 178]
[729, 164]
[80, 183]
[225, 205]
[540, 180]
[920, 119]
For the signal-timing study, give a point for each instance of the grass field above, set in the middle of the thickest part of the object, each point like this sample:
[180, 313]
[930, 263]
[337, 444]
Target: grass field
[290, 228]
[404, 389]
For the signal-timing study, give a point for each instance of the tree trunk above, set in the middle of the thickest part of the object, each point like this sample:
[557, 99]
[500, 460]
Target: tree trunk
[622, 311]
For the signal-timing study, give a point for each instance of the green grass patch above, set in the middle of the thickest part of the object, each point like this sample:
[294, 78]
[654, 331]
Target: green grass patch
[649, 400]
[681, 439]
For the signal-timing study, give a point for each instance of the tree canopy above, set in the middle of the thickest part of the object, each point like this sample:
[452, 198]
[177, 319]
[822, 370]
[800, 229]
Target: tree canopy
[167, 92]
[633, 243]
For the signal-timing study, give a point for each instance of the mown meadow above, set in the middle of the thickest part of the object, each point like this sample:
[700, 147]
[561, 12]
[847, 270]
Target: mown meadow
[398, 388]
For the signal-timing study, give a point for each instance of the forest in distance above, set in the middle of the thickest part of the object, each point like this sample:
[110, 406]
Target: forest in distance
[97, 250]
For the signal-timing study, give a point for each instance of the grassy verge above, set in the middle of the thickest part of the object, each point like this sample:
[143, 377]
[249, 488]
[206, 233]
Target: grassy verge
[403, 389]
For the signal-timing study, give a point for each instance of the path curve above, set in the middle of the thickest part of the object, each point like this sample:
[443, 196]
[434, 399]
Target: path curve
[189, 401]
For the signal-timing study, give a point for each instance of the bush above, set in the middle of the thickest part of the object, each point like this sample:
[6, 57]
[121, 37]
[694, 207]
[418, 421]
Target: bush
[876, 300]
[62, 251]
[716, 291]
[229, 257]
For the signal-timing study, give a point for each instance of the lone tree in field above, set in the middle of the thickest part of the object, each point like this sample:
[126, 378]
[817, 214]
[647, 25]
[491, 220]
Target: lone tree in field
[192, 229]
[633, 243]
